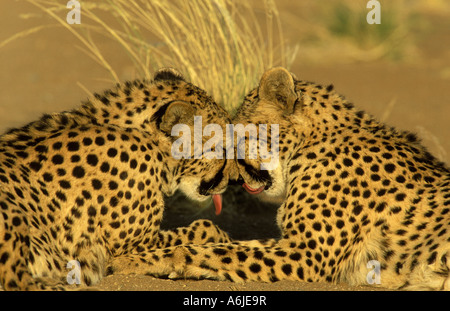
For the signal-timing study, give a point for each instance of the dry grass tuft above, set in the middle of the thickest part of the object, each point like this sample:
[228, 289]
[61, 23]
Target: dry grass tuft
[219, 45]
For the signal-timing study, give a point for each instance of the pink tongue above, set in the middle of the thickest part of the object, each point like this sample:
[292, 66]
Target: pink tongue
[217, 199]
[252, 190]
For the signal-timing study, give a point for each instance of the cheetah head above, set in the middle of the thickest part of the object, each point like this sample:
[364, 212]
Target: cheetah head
[273, 108]
[171, 110]
[193, 130]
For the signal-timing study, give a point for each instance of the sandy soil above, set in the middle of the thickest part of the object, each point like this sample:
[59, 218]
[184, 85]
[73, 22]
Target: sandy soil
[145, 283]
[39, 74]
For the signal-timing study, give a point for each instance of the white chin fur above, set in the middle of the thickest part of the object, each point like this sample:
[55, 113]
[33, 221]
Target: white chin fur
[278, 187]
[189, 187]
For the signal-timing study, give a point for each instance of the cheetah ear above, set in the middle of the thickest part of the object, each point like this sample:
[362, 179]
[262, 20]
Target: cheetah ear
[168, 73]
[178, 112]
[277, 86]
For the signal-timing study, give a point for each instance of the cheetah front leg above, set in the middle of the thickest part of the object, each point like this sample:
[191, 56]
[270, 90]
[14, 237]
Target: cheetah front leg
[238, 262]
[242, 261]
[199, 232]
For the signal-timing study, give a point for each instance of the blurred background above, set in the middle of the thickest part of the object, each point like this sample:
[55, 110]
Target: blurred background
[398, 70]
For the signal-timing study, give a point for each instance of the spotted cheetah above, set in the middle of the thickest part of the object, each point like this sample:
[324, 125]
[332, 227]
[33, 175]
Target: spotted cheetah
[358, 195]
[88, 185]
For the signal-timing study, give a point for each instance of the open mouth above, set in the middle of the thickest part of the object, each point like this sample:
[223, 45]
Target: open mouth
[207, 185]
[257, 175]
[252, 190]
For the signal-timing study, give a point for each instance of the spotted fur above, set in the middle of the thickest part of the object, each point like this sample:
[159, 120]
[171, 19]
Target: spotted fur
[89, 184]
[356, 193]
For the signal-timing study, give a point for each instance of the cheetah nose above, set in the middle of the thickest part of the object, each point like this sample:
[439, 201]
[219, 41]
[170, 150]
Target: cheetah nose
[238, 181]
[217, 200]
[252, 190]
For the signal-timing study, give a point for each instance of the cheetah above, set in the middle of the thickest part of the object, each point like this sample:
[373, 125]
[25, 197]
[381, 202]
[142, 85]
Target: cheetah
[358, 196]
[88, 185]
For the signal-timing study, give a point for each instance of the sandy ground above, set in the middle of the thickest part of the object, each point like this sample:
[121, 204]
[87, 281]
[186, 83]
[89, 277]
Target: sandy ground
[39, 74]
[144, 283]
